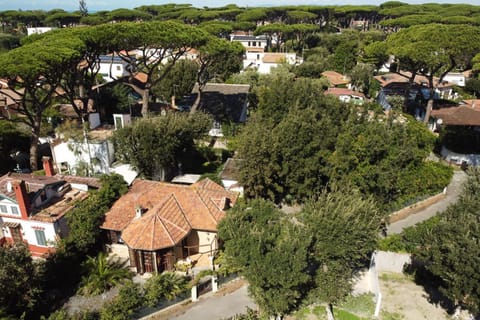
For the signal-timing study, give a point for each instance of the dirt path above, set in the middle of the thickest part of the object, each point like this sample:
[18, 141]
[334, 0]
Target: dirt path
[407, 300]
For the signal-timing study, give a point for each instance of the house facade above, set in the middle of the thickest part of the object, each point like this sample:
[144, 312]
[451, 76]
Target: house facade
[161, 224]
[264, 62]
[32, 208]
[347, 95]
[251, 43]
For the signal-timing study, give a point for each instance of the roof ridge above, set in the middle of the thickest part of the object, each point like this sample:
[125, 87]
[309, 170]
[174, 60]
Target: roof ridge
[182, 210]
[206, 206]
[165, 228]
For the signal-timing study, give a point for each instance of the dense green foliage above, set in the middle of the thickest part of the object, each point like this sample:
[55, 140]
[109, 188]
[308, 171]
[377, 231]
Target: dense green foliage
[12, 140]
[312, 254]
[19, 282]
[166, 285]
[155, 146]
[102, 273]
[124, 305]
[450, 249]
[85, 219]
[298, 141]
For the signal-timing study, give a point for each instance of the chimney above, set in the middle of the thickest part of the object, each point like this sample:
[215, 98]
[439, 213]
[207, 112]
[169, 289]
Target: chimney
[225, 203]
[22, 197]
[48, 166]
[138, 212]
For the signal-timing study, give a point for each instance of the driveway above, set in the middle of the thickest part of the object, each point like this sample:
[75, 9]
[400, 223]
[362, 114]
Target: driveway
[453, 191]
[230, 300]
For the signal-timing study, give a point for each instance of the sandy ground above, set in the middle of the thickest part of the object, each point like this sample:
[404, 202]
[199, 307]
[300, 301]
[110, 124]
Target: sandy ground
[410, 301]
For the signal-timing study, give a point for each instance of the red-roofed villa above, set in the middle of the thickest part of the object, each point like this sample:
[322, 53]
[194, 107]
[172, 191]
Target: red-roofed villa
[161, 223]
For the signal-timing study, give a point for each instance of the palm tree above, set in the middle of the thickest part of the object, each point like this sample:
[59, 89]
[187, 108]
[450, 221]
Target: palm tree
[102, 274]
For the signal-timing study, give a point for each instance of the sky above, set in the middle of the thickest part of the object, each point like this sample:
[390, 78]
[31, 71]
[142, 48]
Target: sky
[95, 5]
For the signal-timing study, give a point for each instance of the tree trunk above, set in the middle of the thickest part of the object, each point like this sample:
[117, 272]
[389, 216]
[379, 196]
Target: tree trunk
[33, 152]
[429, 108]
[145, 97]
[198, 99]
[411, 81]
[430, 100]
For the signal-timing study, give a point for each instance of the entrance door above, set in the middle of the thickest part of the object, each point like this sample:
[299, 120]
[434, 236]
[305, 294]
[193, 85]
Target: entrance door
[168, 261]
[148, 261]
[16, 234]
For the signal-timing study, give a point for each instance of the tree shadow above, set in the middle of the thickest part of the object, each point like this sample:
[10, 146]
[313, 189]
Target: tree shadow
[431, 284]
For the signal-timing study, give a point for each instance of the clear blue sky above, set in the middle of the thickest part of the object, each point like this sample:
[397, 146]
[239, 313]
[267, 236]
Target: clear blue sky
[95, 5]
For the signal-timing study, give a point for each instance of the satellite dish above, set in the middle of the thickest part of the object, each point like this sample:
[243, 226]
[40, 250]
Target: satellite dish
[9, 186]
[439, 121]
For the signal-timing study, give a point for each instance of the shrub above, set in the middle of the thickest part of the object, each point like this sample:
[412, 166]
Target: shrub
[167, 285]
[128, 301]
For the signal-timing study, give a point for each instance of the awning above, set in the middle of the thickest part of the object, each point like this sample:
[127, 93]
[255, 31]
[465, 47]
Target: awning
[10, 224]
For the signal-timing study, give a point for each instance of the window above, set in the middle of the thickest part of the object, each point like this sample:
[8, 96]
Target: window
[254, 43]
[249, 43]
[3, 208]
[119, 68]
[14, 210]
[40, 235]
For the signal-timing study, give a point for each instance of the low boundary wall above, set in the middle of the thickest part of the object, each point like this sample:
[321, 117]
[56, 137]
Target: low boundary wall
[416, 207]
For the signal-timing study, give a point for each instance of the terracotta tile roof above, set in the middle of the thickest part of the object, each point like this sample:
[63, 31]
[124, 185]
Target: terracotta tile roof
[391, 78]
[56, 207]
[336, 78]
[274, 57]
[344, 92]
[473, 103]
[197, 203]
[161, 227]
[33, 183]
[458, 116]
[89, 181]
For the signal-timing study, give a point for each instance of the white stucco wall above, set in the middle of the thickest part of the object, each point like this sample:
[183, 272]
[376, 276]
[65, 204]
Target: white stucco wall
[73, 153]
[205, 240]
[8, 205]
[28, 231]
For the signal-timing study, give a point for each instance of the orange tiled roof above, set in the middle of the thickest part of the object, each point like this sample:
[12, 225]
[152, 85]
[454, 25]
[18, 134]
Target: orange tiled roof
[54, 209]
[335, 78]
[200, 203]
[274, 57]
[343, 91]
[161, 227]
[389, 78]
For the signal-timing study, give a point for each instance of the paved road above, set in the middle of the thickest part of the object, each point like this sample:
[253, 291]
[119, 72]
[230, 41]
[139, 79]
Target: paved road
[214, 307]
[453, 190]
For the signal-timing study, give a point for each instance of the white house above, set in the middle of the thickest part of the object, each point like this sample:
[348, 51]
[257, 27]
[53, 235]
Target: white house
[456, 78]
[263, 62]
[97, 153]
[113, 67]
[32, 208]
[251, 43]
[38, 30]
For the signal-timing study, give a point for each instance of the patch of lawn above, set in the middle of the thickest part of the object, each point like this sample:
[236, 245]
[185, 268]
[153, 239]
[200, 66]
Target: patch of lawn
[345, 315]
[363, 305]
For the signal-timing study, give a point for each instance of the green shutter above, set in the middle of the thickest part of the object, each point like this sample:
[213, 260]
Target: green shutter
[40, 235]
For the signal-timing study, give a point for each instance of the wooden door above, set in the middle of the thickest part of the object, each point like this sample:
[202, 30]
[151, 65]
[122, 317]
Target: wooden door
[148, 261]
[16, 234]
